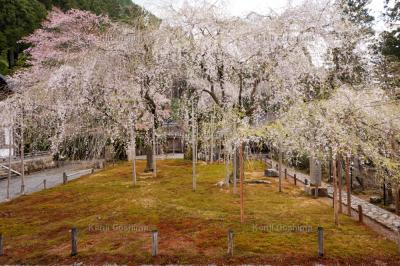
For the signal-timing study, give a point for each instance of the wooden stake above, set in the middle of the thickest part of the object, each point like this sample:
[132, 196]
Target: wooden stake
[1, 245]
[133, 151]
[241, 184]
[340, 178]
[335, 202]
[65, 178]
[348, 187]
[230, 242]
[154, 148]
[398, 239]
[397, 198]
[320, 242]
[235, 171]
[360, 214]
[193, 151]
[44, 184]
[154, 243]
[280, 169]
[74, 241]
[22, 153]
[295, 179]
[10, 145]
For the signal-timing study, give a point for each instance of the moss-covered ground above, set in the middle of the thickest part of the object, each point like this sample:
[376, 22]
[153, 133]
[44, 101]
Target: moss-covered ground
[115, 221]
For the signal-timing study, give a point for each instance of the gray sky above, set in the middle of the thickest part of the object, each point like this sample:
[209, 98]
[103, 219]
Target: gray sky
[240, 7]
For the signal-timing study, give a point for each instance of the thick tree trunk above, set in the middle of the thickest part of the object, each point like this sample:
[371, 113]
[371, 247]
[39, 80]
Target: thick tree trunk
[149, 158]
[348, 185]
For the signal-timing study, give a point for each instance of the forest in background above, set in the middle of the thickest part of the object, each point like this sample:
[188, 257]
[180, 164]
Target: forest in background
[19, 18]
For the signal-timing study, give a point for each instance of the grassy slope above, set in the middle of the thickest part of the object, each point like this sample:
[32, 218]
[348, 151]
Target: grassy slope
[192, 226]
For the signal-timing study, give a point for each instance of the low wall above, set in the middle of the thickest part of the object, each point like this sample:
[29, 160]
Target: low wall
[35, 165]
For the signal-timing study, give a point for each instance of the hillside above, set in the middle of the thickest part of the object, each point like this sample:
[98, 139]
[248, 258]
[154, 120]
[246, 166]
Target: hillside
[19, 18]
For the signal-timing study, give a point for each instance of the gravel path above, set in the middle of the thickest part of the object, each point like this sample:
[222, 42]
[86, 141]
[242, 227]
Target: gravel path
[34, 182]
[375, 213]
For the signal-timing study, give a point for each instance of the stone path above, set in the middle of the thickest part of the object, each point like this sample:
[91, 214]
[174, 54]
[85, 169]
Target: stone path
[34, 182]
[381, 216]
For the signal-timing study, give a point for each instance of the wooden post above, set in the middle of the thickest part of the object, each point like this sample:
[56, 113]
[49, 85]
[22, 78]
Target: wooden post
[384, 192]
[340, 178]
[154, 148]
[398, 239]
[44, 184]
[133, 147]
[234, 171]
[280, 169]
[295, 179]
[397, 190]
[230, 242]
[348, 187]
[320, 242]
[74, 241]
[10, 145]
[65, 178]
[1, 245]
[193, 150]
[360, 214]
[22, 153]
[212, 137]
[285, 173]
[227, 162]
[154, 243]
[241, 184]
[335, 203]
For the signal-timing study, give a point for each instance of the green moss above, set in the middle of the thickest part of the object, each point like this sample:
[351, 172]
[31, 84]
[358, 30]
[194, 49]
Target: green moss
[192, 225]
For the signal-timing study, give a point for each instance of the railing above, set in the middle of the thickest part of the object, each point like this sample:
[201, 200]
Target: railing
[7, 168]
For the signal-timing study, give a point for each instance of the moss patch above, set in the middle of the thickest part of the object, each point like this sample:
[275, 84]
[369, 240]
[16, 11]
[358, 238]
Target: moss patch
[115, 219]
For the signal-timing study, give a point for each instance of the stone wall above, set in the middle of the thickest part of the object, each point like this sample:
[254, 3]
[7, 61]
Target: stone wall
[35, 165]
